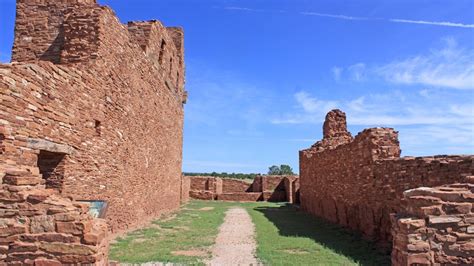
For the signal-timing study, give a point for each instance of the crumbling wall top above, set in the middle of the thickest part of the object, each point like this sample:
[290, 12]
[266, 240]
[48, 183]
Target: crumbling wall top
[335, 124]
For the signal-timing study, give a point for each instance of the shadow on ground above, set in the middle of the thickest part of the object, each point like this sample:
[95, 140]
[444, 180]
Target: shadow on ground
[292, 222]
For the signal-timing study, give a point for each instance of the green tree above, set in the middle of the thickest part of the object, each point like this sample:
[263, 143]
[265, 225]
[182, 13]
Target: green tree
[274, 170]
[286, 170]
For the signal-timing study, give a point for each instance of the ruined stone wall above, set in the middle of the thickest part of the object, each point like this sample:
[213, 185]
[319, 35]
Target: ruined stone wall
[292, 189]
[234, 185]
[40, 227]
[267, 188]
[103, 105]
[435, 226]
[358, 182]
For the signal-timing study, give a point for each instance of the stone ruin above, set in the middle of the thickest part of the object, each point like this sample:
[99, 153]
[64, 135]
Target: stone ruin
[276, 188]
[363, 184]
[90, 109]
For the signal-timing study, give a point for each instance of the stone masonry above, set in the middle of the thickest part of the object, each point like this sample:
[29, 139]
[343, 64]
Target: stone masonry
[359, 182]
[90, 109]
[262, 188]
[40, 227]
[435, 227]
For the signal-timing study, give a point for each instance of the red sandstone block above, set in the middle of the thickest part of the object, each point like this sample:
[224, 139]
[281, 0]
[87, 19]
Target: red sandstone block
[418, 246]
[12, 230]
[444, 220]
[47, 262]
[420, 259]
[78, 259]
[75, 228]
[457, 207]
[93, 238]
[23, 247]
[22, 180]
[67, 249]
[49, 237]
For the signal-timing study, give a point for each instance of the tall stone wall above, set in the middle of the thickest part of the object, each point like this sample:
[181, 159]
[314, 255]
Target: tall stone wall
[94, 109]
[435, 226]
[358, 182]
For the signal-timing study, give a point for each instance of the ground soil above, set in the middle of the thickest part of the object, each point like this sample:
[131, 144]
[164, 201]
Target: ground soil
[235, 243]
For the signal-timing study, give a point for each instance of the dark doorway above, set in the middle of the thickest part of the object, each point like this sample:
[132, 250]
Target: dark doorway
[51, 166]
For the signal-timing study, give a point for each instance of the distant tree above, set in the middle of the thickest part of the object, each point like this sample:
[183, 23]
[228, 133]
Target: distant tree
[274, 170]
[283, 169]
[286, 170]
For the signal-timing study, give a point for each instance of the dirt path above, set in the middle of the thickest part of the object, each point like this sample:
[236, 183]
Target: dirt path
[235, 243]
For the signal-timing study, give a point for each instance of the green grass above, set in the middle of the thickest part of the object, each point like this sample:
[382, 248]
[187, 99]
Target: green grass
[285, 236]
[190, 229]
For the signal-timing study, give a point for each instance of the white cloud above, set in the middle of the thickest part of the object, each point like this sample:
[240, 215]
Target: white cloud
[337, 72]
[435, 23]
[391, 109]
[313, 105]
[356, 18]
[357, 104]
[450, 67]
[333, 16]
[358, 71]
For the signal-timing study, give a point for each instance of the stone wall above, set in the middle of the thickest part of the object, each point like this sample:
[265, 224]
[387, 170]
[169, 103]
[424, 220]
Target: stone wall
[358, 182]
[435, 227]
[185, 188]
[267, 188]
[95, 107]
[40, 227]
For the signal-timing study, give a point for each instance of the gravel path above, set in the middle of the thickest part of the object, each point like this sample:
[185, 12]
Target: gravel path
[235, 243]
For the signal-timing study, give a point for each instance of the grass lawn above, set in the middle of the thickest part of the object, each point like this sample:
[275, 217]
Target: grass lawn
[185, 237]
[285, 236]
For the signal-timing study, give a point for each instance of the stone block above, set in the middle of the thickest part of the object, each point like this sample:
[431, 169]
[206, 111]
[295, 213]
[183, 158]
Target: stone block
[444, 220]
[67, 249]
[50, 237]
[41, 224]
[22, 180]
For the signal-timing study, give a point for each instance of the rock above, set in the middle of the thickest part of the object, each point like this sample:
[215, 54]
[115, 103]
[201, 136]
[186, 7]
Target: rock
[41, 224]
[444, 219]
[67, 249]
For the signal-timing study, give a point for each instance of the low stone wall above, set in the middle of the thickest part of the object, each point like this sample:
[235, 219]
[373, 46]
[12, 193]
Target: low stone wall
[40, 227]
[267, 188]
[235, 186]
[240, 196]
[435, 227]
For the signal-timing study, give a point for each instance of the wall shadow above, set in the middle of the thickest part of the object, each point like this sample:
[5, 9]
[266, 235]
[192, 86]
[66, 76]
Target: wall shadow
[293, 222]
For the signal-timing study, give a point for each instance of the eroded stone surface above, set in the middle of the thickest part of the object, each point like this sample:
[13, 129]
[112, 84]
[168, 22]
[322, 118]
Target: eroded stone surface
[434, 239]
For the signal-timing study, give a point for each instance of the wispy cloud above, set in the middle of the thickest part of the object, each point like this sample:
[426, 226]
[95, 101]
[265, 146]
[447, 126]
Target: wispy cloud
[435, 23]
[337, 72]
[448, 67]
[392, 109]
[359, 18]
[333, 16]
[357, 71]
[451, 67]
[311, 104]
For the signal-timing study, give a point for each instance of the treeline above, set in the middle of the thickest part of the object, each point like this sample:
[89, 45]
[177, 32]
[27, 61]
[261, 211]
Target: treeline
[224, 175]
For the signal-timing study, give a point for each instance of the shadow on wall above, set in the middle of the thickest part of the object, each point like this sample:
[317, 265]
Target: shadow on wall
[332, 236]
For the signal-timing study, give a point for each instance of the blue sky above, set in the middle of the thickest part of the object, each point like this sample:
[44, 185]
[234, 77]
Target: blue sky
[262, 74]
